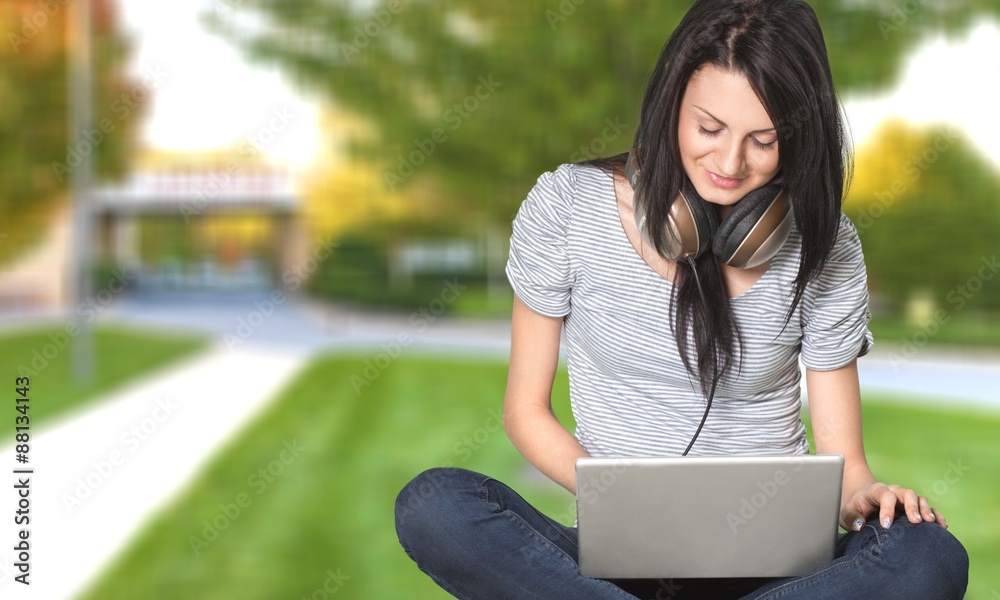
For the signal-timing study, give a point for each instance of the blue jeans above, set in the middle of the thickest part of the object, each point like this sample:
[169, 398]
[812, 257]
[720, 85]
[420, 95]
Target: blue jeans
[477, 538]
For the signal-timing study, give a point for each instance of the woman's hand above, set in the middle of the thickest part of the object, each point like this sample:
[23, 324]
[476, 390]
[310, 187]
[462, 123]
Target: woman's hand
[886, 500]
[835, 409]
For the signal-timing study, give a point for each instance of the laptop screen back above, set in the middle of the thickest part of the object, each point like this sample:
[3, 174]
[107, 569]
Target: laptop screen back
[724, 516]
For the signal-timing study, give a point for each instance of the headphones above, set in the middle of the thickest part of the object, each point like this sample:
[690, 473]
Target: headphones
[750, 235]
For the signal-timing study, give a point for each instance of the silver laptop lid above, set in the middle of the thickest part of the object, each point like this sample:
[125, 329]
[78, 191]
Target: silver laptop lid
[719, 516]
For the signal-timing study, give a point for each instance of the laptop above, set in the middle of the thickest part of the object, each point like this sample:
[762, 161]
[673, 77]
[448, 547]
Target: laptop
[715, 516]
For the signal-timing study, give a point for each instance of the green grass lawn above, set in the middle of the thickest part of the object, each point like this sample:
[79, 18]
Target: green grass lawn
[952, 458]
[476, 302]
[45, 355]
[260, 524]
[893, 334]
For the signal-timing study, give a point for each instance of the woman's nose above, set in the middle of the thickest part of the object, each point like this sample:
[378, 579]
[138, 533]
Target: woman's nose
[730, 158]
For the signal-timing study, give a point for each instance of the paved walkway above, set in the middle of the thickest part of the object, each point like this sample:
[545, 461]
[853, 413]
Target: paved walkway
[960, 378]
[101, 474]
[98, 480]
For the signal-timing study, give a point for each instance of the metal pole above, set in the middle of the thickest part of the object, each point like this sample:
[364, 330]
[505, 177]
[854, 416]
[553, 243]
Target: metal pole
[80, 119]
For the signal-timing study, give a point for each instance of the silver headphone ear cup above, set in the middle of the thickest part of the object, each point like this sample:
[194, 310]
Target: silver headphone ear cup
[691, 222]
[705, 221]
[690, 228]
[754, 231]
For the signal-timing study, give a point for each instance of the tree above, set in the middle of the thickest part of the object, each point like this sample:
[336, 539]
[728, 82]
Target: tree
[35, 142]
[346, 192]
[483, 96]
[925, 205]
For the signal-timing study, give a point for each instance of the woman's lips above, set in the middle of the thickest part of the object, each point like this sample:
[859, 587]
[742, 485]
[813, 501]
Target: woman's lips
[723, 182]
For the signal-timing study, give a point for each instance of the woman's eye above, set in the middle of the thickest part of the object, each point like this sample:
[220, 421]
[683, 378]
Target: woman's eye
[762, 145]
[709, 133]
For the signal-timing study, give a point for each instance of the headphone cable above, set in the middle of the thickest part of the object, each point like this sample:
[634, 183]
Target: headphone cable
[711, 339]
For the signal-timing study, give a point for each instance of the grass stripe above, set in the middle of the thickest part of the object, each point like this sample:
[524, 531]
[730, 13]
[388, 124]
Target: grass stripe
[331, 508]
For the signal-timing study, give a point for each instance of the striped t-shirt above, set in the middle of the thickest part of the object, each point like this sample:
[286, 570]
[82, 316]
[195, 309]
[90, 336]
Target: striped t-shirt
[630, 392]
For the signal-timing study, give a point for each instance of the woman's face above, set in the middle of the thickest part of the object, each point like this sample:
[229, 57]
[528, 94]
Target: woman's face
[728, 144]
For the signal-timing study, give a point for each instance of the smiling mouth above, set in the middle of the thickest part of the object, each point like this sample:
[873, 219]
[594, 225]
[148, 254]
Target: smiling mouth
[723, 182]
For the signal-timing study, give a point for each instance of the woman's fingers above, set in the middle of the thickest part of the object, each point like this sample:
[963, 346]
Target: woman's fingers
[911, 504]
[925, 510]
[887, 500]
[939, 518]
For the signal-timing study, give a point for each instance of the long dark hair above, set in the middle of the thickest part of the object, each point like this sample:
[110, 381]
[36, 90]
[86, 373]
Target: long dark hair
[778, 46]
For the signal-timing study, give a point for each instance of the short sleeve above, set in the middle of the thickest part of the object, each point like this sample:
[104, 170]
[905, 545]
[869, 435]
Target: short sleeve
[835, 312]
[538, 266]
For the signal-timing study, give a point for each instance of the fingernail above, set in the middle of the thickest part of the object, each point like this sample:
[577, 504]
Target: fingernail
[917, 517]
[886, 522]
[858, 524]
[930, 517]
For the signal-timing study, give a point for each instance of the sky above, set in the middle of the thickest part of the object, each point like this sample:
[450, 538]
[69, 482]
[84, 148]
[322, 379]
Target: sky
[209, 97]
[942, 81]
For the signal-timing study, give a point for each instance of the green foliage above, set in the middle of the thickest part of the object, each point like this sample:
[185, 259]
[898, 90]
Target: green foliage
[359, 269]
[35, 143]
[565, 70]
[938, 232]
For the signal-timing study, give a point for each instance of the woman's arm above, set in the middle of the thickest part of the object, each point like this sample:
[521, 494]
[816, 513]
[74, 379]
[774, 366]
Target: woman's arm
[835, 412]
[528, 418]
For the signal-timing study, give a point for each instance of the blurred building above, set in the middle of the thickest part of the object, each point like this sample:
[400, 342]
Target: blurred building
[194, 226]
[208, 229]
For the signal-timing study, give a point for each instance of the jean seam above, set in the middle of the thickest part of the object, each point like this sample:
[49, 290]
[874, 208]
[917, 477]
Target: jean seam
[879, 534]
[798, 583]
[562, 554]
[485, 497]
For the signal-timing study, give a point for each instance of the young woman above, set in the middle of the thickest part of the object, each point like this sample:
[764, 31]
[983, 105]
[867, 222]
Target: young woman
[741, 103]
